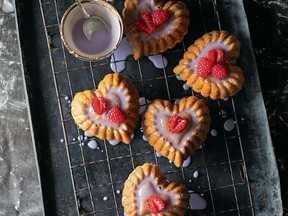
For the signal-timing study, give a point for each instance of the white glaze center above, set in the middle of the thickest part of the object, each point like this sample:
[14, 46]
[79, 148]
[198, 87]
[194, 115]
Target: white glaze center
[148, 187]
[114, 97]
[204, 51]
[177, 140]
[163, 30]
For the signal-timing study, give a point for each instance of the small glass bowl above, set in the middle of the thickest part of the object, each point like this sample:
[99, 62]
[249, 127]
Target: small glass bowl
[98, 8]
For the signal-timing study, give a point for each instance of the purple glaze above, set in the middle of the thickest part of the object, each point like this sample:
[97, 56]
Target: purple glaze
[99, 42]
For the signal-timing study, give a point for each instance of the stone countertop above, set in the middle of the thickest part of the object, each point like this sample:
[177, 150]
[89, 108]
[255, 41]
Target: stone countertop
[18, 180]
[268, 21]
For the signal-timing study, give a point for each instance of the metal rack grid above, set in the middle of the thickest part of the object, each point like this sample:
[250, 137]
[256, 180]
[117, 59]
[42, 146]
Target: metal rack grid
[97, 173]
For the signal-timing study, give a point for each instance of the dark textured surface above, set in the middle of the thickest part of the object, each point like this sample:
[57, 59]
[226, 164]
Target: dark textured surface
[92, 167]
[267, 24]
[20, 189]
[268, 21]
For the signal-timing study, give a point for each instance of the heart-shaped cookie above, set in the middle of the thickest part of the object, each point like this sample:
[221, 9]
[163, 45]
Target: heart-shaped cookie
[152, 27]
[109, 112]
[209, 65]
[176, 130]
[147, 181]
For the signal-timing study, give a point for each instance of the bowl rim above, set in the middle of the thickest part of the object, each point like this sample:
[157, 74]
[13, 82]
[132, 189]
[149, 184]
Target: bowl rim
[80, 56]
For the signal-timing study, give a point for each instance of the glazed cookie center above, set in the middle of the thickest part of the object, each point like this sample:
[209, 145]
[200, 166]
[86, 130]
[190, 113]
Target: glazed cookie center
[177, 139]
[113, 100]
[115, 97]
[204, 51]
[163, 30]
[145, 6]
[145, 189]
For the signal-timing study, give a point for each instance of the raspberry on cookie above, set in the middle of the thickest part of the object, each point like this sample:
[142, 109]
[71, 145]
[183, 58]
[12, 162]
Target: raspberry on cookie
[152, 27]
[209, 66]
[111, 111]
[176, 130]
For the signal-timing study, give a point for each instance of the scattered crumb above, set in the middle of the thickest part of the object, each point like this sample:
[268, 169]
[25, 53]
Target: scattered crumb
[196, 174]
[178, 77]
[87, 134]
[158, 154]
[142, 101]
[132, 136]
[186, 87]
[186, 162]
[214, 132]
[93, 144]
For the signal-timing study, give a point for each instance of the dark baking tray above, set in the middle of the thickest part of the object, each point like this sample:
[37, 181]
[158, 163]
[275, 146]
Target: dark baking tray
[238, 173]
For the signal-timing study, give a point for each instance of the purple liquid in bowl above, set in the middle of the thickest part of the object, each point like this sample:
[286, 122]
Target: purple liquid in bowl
[99, 42]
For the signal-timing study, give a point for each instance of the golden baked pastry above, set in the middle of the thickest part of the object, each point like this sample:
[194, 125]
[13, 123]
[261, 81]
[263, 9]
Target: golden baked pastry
[176, 130]
[109, 112]
[165, 25]
[147, 185]
[209, 65]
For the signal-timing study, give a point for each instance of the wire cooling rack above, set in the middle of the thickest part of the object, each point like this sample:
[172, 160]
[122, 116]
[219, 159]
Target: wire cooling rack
[98, 175]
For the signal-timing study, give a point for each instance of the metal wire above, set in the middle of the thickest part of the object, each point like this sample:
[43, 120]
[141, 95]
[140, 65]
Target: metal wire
[204, 6]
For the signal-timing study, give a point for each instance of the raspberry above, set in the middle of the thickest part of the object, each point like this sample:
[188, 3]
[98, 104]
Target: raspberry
[220, 55]
[216, 55]
[176, 124]
[155, 204]
[219, 71]
[145, 24]
[99, 105]
[160, 16]
[115, 115]
[148, 21]
[212, 55]
[142, 27]
[204, 67]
